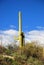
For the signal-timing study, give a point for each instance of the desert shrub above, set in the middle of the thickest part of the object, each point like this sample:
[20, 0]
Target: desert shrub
[33, 50]
[34, 61]
[28, 55]
[7, 61]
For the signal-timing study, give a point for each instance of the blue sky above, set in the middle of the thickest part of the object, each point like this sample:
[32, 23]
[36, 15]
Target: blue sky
[32, 14]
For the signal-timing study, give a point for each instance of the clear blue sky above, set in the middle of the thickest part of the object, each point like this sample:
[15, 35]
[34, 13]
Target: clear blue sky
[32, 14]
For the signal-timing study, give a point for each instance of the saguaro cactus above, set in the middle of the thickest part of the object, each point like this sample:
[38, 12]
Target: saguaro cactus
[21, 34]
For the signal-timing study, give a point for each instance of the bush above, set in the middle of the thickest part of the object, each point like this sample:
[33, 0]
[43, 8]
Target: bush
[33, 50]
[34, 61]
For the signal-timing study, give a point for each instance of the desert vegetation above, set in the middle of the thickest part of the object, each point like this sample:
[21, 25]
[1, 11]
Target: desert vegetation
[28, 55]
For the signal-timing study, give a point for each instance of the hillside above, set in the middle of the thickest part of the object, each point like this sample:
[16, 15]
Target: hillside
[28, 55]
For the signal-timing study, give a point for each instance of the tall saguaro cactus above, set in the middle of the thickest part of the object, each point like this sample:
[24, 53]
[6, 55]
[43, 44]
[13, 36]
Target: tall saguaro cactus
[21, 35]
